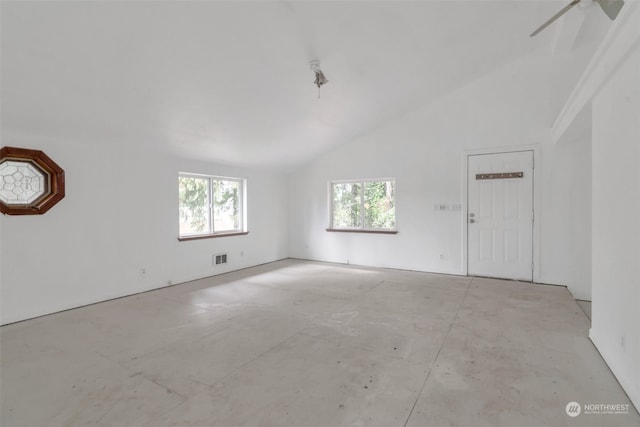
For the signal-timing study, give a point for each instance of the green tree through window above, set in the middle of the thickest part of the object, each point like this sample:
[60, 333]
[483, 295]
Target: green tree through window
[365, 205]
[347, 205]
[379, 205]
[194, 204]
[209, 205]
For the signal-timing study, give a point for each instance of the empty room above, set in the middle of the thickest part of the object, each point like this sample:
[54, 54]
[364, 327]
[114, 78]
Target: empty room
[320, 213]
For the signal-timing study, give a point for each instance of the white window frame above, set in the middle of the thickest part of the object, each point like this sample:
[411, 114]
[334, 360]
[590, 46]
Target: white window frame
[242, 196]
[332, 226]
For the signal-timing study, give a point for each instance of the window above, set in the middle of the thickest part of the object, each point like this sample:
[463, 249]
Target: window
[30, 181]
[211, 206]
[363, 205]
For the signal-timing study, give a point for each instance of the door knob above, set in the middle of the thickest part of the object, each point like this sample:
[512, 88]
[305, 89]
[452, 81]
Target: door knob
[472, 220]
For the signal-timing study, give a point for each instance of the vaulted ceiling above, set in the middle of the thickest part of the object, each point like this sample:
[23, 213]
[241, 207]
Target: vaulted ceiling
[230, 81]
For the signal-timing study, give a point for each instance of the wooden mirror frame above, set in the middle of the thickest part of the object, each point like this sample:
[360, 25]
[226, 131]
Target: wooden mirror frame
[55, 186]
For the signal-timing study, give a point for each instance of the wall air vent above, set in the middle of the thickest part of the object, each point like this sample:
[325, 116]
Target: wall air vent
[219, 259]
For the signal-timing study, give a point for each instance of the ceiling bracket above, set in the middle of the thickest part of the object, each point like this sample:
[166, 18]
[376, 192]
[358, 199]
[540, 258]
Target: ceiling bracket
[320, 78]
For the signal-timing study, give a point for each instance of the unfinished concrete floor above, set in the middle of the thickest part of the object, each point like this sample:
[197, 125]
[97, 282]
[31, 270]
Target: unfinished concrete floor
[301, 344]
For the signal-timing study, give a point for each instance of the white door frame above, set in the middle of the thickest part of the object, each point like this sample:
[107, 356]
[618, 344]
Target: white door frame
[537, 186]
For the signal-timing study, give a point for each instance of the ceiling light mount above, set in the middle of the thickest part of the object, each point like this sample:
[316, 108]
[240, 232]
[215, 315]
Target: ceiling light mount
[320, 78]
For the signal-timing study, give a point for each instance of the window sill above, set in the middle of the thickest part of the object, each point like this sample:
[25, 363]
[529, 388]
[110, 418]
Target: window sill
[342, 230]
[212, 236]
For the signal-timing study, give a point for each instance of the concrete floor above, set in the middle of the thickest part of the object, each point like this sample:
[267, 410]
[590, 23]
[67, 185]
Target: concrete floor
[302, 344]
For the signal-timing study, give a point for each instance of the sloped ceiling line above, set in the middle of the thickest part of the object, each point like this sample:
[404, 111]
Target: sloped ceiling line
[621, 39]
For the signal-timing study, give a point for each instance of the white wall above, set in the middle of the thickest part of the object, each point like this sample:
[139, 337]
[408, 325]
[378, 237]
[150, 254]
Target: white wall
[616, 231]
[424, 152]
[119, 216]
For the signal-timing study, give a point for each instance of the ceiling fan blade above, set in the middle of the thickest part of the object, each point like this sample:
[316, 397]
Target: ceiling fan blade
[611, 7]
[556, 16]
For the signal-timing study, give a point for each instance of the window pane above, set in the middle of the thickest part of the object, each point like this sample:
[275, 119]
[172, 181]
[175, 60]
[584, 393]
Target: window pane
[226, 205]
[194, 205]
[379, 205]
[347, 199]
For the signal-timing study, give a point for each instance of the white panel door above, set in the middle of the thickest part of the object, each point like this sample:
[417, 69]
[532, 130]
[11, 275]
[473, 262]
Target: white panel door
[500, 215]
